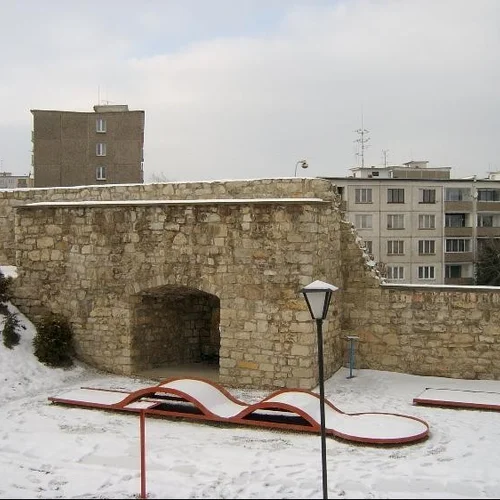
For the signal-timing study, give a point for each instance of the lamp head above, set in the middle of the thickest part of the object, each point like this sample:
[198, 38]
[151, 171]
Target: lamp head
[318, 295]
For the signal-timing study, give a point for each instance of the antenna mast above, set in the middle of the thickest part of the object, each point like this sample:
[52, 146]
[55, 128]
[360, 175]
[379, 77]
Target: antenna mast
[362, 141]
[384, 156]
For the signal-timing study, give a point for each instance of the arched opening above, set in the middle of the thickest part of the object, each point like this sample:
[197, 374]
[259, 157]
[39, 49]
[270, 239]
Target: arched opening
[175, 332]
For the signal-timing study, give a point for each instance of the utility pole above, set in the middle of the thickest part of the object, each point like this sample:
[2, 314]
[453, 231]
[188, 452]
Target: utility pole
[362, 141]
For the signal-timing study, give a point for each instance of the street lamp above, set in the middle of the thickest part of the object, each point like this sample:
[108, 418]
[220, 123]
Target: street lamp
[302, 163]
[318, 295]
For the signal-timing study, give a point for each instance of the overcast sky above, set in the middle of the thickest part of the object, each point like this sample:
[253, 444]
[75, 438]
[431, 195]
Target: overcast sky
[245, 89]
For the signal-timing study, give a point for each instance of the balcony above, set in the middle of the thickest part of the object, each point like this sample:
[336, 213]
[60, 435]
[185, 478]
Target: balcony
[488, 232]
[459, 281]
[488, 206]
[458, 206]
[450, 257]
[451, 232]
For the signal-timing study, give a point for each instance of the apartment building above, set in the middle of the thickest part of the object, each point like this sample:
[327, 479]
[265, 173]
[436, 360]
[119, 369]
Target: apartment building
[84, 148]
[419, 224]
[9, 181]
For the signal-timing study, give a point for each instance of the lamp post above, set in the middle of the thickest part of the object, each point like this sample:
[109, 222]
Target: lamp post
[318, 295]
[302, 163]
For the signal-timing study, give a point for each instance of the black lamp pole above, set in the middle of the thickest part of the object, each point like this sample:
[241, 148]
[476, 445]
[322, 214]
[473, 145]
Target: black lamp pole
[318, 295]
[319, 325]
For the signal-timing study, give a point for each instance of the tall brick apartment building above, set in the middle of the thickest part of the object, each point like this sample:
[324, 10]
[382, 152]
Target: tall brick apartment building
[87, 148]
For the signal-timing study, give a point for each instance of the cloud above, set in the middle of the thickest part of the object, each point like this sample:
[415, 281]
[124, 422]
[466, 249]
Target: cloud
[246, 92]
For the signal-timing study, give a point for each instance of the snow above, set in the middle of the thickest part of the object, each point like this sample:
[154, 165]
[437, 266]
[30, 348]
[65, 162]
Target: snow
[204, 181]
[207, 201]
[487, 399]
[54, 451]
[9, 271]
[438, 285]
[208, 396]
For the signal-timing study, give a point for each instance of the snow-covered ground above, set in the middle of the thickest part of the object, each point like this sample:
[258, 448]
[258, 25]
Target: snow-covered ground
[53, 451]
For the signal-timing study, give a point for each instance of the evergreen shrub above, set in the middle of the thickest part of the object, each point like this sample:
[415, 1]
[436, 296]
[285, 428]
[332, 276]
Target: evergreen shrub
[53, 342]
[10, 334]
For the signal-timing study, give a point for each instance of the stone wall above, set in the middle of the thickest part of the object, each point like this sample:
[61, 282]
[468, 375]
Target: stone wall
[261, 188]
[97, 264]
[424, 330]
[138, 279]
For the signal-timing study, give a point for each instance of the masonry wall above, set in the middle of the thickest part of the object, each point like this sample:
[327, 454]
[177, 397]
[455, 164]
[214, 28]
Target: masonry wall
[423, 330]
[92, 263]
[261, 188]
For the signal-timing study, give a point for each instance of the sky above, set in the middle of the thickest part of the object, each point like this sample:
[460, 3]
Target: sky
[238, 90]
[55, 451]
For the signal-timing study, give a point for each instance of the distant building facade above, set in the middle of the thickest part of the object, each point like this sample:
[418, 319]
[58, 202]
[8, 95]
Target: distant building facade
[420, 225]
[9, 181]
[79, 148]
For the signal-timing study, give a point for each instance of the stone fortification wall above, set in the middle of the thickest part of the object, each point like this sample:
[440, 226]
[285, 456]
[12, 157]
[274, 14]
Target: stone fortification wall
[424, 330]
[96, 263]
[265, 188]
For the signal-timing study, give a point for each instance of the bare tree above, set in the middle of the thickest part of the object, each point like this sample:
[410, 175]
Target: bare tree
[159, 177]
[381, 267]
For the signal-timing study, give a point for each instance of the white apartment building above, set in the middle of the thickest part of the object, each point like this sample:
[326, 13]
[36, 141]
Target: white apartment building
[420, 225]
[9, 181]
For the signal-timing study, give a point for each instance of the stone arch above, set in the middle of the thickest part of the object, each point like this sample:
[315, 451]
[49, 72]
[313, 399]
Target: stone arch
[173, 325]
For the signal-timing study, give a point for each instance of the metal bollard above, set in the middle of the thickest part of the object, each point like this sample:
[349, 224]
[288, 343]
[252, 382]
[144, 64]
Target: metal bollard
[351, 340]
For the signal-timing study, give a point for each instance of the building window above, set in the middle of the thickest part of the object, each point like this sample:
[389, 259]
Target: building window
[457, 245]
[485, 221]
[395, 221]
[369, 247]
[100, 149]
[426, 272]
[395, 272]
[426, 221]
[395, 247]
[455, 220]
[363, 195]
[457, 194]
[100, 125]
[395, 196]
[363, 221]
[488, 194]
[427, 247]
[453, 271]
[427, 196]
[100, 173]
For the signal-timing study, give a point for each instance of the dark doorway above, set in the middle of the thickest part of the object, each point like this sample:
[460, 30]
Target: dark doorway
[175, 327]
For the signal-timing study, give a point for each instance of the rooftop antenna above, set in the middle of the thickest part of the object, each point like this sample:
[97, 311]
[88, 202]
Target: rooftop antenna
[384, 156]
[102, 101]
[362, 141]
